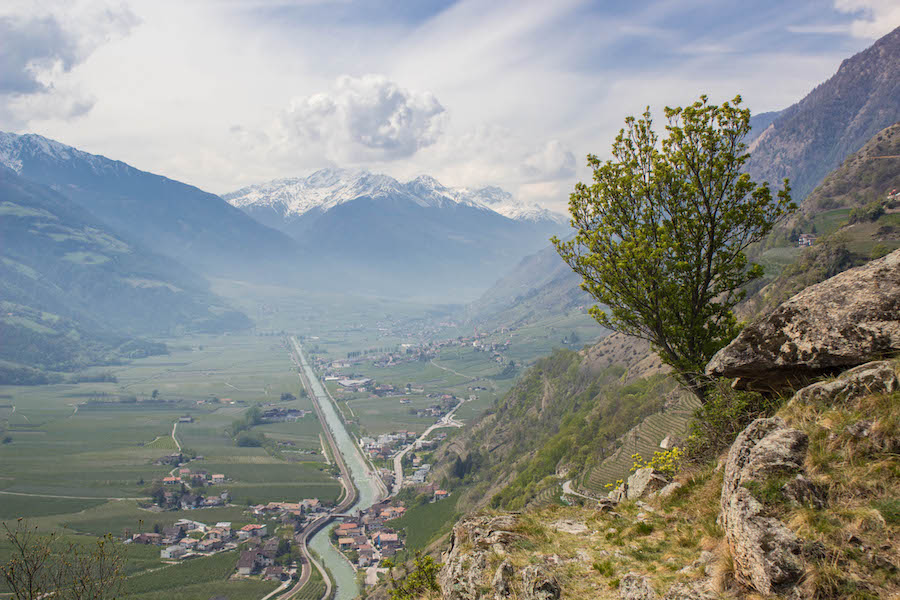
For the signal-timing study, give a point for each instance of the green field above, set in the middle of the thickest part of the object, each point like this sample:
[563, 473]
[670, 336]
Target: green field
[425, 522]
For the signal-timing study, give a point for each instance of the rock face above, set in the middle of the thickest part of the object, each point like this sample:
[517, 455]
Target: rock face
[538, 584]
[842, 322]
[465, 563]
[501, 583]
[645, 481]
[766, 554]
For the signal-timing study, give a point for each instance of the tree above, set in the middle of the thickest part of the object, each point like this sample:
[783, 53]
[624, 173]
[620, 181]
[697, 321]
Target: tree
[661, 233]
[420, 582]
[43, 566]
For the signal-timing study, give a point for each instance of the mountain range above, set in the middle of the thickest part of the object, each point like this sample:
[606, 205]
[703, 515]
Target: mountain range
[290, 199]
[417, 238]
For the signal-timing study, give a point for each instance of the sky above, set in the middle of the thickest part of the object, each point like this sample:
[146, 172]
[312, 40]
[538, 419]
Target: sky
[225, 93]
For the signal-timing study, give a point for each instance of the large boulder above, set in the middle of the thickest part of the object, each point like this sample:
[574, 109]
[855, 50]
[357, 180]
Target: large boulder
[871, 378]
[845, 321]
[766, 554]
[643, 482]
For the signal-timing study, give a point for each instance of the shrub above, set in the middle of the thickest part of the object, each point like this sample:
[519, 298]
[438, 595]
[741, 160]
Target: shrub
[421, 580]
[668, 462]
[726, 413]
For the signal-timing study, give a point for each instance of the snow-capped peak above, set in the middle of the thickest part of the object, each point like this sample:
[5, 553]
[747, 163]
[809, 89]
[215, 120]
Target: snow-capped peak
[16, 149]
[328, 188]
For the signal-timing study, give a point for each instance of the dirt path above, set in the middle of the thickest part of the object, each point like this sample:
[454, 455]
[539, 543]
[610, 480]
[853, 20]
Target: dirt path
[175, 439]
[70, 497]
[452, 371]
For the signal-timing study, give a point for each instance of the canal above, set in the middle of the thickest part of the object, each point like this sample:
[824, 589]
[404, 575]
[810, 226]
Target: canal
[369, 492]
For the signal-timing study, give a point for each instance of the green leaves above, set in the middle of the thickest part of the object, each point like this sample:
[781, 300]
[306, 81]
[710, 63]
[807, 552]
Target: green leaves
[661, 232]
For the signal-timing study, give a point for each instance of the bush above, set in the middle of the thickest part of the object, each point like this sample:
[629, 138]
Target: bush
[249, 440]
[668, 462]
[870, 212]
[418, 582]
[726, 413]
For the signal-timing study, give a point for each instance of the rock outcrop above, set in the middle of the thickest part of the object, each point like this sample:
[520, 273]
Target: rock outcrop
[766, 554]
[465, 564]
[538, 584]
[871, 378]
[644, 482]
[848, 320]
[636, 587]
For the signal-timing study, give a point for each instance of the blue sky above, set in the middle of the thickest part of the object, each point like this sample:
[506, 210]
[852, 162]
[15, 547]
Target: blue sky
[230, 92]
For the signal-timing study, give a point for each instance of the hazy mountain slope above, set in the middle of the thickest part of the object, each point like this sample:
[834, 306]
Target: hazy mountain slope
[540, 285]
[812, 137]
[175, 219]
[72, 289]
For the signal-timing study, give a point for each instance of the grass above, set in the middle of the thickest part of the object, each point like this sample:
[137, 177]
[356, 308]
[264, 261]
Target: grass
[13, 507]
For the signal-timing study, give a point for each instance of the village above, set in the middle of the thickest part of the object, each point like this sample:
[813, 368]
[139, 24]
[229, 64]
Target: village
[410, 353]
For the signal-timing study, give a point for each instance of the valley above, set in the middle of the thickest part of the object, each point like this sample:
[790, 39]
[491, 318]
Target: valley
[379, 356]
[94, 456]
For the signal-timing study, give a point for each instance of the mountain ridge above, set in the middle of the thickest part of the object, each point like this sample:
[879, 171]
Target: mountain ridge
[174, 218]
[327, 188]
[810, 138]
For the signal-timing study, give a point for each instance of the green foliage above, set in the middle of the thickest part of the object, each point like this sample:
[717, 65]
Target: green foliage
[240, 429]
[661, 233]
[246, 439]
[868, 213]
[605, 568]
[667, 462]
[422, 579]
[725, 413]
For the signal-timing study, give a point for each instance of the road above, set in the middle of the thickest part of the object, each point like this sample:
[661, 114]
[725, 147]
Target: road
[568, 489]
[451, 370]
[445, 421]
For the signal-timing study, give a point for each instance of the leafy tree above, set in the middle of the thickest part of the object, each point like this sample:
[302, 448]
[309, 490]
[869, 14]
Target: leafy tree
[420, 582]
[43, 566]
[661, 233]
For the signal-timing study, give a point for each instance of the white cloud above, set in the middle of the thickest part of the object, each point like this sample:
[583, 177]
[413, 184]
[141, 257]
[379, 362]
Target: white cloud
[41, 43]
[874, 18]
[552, 161]
[364, 119]
[477, 93]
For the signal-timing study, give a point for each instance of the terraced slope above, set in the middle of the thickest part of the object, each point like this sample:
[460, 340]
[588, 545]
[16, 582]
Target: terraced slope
[644, 439]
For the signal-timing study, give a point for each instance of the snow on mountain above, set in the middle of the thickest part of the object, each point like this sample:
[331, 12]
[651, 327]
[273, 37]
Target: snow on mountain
[16, 148]
[501, 201]
[327, 188]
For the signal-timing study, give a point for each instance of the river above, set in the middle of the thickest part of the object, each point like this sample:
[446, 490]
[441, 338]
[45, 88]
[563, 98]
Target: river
[343, 574]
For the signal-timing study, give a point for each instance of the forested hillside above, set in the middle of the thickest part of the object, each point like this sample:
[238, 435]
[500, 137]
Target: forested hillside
[74, 292]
